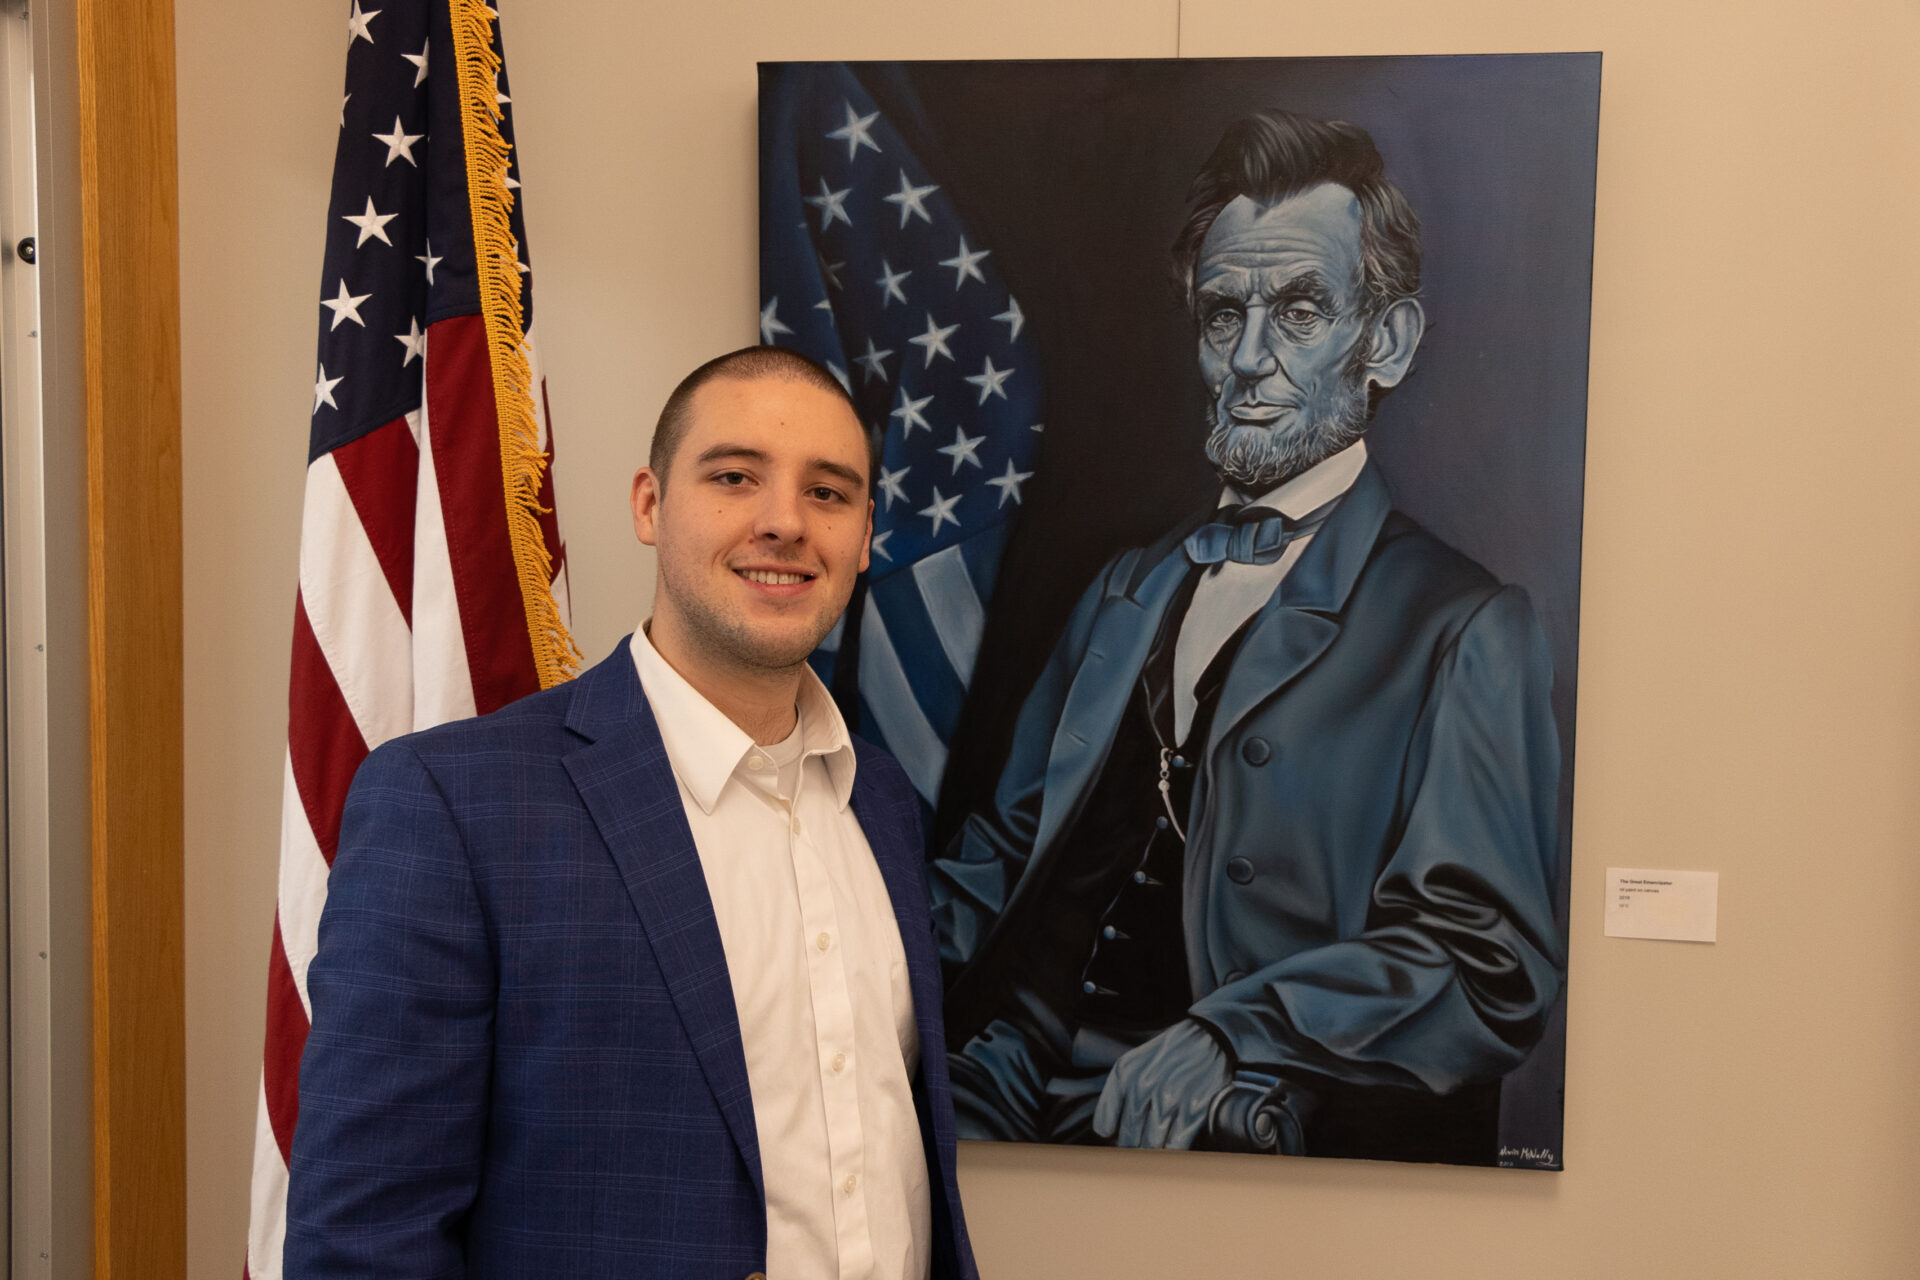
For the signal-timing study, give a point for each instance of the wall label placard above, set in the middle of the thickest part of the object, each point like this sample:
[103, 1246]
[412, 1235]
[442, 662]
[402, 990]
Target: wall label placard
[1677, 906]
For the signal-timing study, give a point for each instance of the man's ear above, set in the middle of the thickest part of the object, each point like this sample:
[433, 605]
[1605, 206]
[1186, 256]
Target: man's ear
[646, 505]
[1394, 335]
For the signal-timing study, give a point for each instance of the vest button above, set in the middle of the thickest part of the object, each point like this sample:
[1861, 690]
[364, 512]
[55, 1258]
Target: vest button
[1160, 823]
[1239, 870]
[1178, 762]
[1255, 751]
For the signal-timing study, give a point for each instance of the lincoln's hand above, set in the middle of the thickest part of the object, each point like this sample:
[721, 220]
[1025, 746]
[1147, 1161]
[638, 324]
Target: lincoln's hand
[1158, 1095]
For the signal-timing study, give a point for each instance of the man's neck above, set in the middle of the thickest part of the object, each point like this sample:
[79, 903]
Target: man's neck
[761, 701]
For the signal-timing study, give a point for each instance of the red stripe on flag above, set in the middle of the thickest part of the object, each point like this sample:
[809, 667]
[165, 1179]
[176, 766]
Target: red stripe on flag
[321, 736]
[465, 433]
[286, 1041]
[381, 471]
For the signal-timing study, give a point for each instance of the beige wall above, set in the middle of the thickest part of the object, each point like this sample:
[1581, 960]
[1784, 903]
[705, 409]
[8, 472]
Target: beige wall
[1752, 585]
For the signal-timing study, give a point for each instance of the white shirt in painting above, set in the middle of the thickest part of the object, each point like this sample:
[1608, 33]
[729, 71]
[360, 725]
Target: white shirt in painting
[819, 981]
[1229, 593]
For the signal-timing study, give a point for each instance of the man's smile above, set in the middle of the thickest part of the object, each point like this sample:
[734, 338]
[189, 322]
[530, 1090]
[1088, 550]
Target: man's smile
[775, 577]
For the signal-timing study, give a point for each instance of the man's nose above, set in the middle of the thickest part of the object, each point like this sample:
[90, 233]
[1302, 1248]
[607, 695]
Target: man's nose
[1253, 356]
[782, 516]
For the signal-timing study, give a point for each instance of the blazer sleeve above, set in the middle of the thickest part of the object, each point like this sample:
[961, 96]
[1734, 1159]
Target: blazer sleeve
[394, 1082]
[968, 887]
[1461, 960]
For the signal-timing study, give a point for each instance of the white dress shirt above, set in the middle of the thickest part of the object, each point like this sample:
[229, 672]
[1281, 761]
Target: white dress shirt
[1229, 593]
[819, 981]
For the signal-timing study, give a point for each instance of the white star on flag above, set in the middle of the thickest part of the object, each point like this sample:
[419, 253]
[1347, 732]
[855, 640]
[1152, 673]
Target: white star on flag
[429, 259]
[911, 199]
[840, 374]
[345, 307]
[399, 143]
[357, 23]
[890, 485]
[372, 224]
[419, 60]
[909, 413]
[990, 380]
[1009, 483]
[941, 511]
[499, 98]
[831, 271]
[889, 283]
[414, 341]
[880, 543]
[323, 390]
[875, 362]
[831, 204]
[770, 323]
[966, 264]
[934, 340]
[856, 132]
[965, 448]
[1012, 318]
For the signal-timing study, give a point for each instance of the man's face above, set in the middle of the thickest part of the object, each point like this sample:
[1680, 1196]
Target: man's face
[1284, 338]
[762, 523]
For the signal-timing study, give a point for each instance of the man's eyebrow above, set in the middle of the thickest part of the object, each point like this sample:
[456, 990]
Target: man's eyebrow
[1310, 285]
[747, 453]
[839, 469]
[723, 450]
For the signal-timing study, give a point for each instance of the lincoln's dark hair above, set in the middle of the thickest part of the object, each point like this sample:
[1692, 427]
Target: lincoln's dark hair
[1271, 155]
[748, 364]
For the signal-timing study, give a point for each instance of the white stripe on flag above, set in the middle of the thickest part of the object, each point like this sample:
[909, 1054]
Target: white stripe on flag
[442, 681]
[303, 886]
[267, 1223]
[883, 683]
[954, 606]
[351, 607]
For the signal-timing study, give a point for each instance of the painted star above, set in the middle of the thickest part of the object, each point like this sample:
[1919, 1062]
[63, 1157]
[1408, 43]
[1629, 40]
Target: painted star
[345, 306]
[889, 283]
[323, 390]
[941, 511]
[964, 449]
[966, 264]
[429, 259]
[934, 340]
[830, 271]
[419, 60]
[909, 413]
[770, 323]
[831, 204]
[400, 144]
[890, 485]
[499, 98]
[841, 375]
[857, 132]
[372, 224]
[357, 23]
[990, 380]
[1013, 318]
[414, 341]
[1009, 483]
[911, 199]
[875, 362]
[880, 543]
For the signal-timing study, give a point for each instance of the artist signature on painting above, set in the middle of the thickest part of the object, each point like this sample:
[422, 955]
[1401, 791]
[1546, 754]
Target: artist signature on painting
[1538, 1157]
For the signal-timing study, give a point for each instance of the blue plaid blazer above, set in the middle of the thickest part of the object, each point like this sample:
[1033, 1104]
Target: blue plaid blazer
[525, 1059]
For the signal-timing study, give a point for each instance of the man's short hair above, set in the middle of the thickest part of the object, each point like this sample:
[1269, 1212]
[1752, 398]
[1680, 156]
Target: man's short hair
[1273, 154]
[748, 364]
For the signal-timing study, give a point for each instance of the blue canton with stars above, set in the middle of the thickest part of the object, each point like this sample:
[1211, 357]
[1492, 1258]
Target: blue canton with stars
[399, 227]
[866, 267]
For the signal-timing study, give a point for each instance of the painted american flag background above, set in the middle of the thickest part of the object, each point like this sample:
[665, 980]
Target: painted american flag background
[867, 267]
[432, 578]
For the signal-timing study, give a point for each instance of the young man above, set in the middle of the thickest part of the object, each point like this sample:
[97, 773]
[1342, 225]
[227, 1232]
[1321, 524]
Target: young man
[634, 977]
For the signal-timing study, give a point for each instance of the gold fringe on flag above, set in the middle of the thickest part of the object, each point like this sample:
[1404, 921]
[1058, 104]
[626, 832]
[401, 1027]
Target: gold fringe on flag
[496, 255]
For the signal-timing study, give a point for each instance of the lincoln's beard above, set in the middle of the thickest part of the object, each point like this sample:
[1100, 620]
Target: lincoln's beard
[1253, 459]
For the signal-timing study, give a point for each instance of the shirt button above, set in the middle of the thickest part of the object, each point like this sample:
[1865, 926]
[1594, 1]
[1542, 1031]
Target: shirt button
[839, 1063]
[851, 1182]
[756, 762]
[823, 941]
[796, 826]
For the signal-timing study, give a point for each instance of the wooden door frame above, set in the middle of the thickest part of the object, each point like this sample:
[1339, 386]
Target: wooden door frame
[130, 267]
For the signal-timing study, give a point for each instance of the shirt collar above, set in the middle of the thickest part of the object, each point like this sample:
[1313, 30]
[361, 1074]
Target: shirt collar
[1313, 488]
[705, 747]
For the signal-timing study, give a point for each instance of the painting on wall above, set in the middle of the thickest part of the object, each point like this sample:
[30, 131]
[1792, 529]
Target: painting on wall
[1230, 425]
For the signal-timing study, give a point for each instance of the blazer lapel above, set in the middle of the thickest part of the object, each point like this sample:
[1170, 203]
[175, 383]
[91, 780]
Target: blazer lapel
[627, 783]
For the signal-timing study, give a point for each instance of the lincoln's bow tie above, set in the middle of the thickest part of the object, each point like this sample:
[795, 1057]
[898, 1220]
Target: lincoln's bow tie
[1245, 535]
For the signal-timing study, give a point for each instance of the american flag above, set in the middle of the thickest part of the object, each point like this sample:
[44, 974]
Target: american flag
[432, 575]
[866, 266]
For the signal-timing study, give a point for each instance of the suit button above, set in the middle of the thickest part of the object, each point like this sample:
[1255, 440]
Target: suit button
[1239, 870]
[1256, 751]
